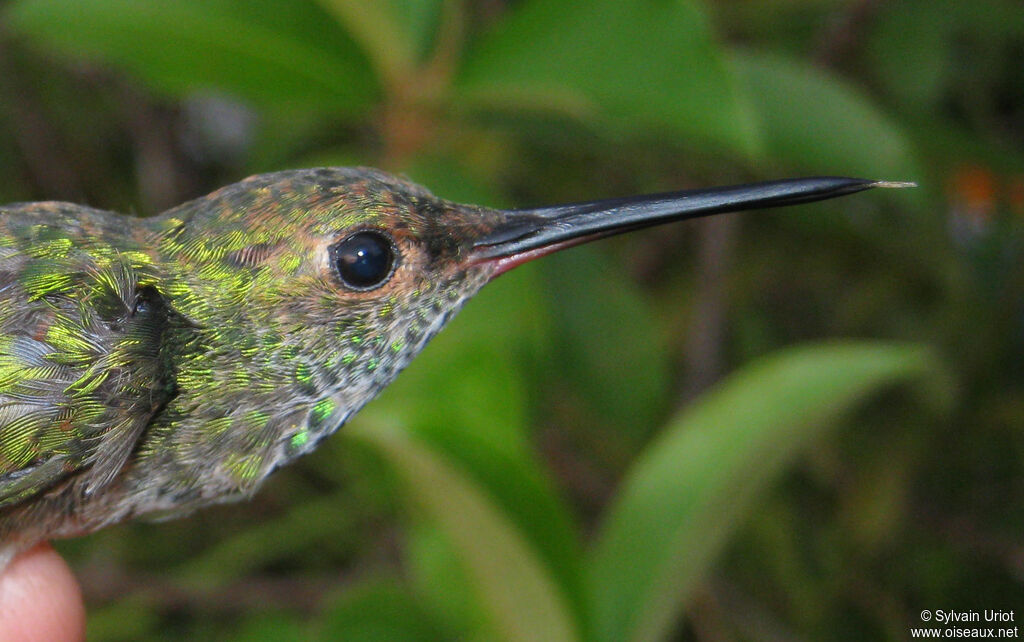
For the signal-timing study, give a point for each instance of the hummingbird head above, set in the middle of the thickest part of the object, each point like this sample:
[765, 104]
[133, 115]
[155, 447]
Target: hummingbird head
[312, 289]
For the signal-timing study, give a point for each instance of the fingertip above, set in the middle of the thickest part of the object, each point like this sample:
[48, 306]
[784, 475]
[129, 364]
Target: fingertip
[40, 599]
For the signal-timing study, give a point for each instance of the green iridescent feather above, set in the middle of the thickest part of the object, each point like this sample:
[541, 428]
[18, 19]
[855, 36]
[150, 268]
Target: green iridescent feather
[80, 367]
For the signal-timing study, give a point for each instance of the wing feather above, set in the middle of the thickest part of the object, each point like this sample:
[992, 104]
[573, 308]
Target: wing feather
[82, 367]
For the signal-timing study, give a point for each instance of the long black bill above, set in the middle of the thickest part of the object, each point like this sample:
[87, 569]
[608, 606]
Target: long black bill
[529, 233]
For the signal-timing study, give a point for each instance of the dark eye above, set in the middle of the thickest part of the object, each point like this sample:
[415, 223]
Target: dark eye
[364, 260]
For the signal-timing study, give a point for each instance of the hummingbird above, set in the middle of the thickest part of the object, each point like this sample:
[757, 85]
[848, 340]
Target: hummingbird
[153, 366]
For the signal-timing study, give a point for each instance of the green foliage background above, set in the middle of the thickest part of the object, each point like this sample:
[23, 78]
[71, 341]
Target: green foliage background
[801, 425]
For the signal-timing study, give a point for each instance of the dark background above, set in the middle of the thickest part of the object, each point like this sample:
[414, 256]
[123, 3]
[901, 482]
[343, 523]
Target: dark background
[497, 491]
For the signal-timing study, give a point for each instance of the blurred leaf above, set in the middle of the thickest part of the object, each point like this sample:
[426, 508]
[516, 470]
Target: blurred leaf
[420, 20]
[282, 139]
[876, 501]
[521, 489]
[190, 45]
[264, 626]
[815, 121]
[609, 343]
[521, 597]
[131, 618]
[439, 576]
[644, 66]
[948, 144]
[687, 492]
[452, 179]
[378, 610]
[391, 32]
[302, 526]
[913, 64]
[926, 51]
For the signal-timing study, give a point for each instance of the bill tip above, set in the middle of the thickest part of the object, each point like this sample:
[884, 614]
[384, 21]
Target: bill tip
[894, 184]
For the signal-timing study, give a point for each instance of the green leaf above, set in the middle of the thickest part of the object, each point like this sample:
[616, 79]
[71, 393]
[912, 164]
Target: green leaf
[610, 346]
[452, 178]
[438, 575]
[130, 618]
[301, 527]
[391, 32]
[814, 121]
[517, 589]
[271, 53]
[272, 626]
[378, 610]
[524, 493]
[682, 499]
[649, 66]
[924, 52]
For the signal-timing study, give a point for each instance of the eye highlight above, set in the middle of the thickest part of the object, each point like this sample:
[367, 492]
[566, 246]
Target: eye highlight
[364, 261]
